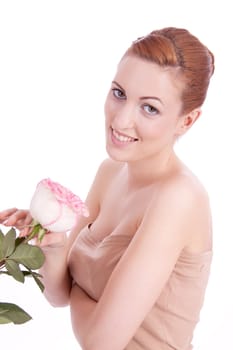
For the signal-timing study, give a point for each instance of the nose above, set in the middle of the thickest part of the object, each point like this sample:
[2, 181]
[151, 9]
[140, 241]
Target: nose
[124, 117]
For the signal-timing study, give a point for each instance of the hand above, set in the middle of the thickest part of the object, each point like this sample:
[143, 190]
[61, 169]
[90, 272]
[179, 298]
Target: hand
[19, 218]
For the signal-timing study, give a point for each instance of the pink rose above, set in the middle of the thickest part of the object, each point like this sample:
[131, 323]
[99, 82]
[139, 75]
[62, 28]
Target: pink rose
[55, 207]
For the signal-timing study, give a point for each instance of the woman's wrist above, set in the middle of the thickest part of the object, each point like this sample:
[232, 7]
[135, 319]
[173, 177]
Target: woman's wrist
[53, 240]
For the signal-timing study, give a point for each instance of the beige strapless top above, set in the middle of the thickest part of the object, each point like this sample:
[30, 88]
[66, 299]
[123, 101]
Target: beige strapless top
[172, 320]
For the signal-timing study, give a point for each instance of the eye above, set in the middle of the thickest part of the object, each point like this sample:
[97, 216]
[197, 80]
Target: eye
[118, 93]
[150, 109]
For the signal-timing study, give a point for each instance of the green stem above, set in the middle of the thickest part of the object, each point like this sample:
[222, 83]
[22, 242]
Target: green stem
[32, 234]
[38, 231]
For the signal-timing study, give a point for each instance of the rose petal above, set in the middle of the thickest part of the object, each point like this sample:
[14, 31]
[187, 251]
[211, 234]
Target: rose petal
[55, 207]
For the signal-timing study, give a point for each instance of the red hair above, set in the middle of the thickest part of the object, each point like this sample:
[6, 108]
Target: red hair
[178, 48]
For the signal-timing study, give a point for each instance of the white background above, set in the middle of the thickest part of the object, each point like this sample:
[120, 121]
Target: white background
[57, 59]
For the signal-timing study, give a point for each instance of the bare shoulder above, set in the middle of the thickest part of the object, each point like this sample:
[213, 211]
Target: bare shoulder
[184, 202]
[185, 188]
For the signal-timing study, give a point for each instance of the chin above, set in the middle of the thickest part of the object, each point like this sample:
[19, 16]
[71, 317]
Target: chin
[116, 155]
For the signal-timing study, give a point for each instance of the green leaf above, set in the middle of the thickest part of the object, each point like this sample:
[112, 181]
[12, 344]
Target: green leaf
[19, 240]
[8, 243]
[38, 281]
[1, 237]
[30, 256]
[4, 320]
[14, 270]
[3, 311]
[30, 273]
[36, 276]
[12, 313]
[1, 242]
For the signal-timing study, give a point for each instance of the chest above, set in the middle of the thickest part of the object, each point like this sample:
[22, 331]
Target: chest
[121, 211]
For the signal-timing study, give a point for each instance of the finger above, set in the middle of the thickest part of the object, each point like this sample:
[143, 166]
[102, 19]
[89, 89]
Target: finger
[4, 214]
[28, 219]
[24, 232]
[17, 218]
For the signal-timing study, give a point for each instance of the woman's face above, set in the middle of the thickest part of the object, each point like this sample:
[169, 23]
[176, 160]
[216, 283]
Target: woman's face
[142, 110]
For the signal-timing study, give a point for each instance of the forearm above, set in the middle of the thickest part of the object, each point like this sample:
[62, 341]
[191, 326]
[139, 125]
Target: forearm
[82, 308]
[56, 277]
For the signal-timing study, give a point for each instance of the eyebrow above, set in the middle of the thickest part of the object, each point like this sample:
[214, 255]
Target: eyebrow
[114, 82]
[141, 98]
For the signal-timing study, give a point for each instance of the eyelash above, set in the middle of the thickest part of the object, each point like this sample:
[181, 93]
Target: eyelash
[119, 94]
[153, 110]
[116, 92]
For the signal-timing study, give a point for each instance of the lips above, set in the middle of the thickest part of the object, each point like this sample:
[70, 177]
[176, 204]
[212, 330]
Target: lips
[122, 138]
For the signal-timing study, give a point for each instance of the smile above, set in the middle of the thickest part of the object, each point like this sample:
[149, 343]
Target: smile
[123, 138]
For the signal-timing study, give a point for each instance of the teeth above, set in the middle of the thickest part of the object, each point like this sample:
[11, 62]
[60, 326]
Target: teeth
[122, 138]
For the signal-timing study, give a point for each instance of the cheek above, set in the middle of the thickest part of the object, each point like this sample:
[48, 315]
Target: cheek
[111, 110]
[108, 109]
[156, 130]
[151, 129]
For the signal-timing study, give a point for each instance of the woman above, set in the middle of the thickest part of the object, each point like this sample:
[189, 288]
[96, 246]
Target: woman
[135, 271]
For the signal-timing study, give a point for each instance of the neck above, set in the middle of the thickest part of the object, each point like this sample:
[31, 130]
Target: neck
[148, 171]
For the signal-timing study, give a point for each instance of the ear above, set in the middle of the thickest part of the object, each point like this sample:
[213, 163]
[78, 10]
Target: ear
[186, 121]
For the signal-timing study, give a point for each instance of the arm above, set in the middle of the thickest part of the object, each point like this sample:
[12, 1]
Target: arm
[56, 277]
[56, 246]
[142, 272]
